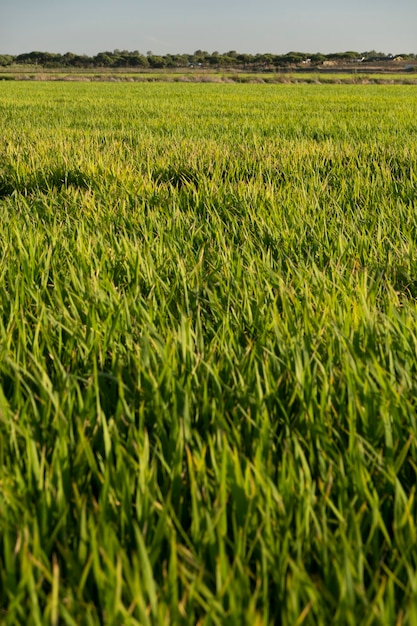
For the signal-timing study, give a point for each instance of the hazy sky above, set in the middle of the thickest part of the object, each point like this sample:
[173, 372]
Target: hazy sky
[277, 26]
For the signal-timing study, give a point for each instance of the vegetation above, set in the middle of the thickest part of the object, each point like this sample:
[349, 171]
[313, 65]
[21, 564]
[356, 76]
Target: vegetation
[208, 340]
[135, 59]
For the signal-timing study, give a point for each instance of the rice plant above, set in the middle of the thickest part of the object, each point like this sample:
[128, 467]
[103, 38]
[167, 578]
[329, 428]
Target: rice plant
[208, 339]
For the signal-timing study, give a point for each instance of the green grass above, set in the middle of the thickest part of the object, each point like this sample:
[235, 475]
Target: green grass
[208, 340]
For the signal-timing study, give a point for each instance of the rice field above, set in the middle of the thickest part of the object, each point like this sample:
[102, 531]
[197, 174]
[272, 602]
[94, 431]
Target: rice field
[208, 354]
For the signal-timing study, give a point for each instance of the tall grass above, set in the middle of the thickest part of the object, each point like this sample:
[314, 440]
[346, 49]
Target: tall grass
[208, 339]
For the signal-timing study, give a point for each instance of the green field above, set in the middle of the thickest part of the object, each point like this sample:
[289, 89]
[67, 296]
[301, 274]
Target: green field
[208, 354]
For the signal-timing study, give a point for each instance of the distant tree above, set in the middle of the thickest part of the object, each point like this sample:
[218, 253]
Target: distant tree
[125, 58]
[294, 58]
[180, 60]
[169, 61]
[372, 54]
[68, 58]
[266, 59]
[245, 59]
[28, 58]
[213, 59]
[225, 59]
[82, 60]
[351, 54]
[103, 59]
[156, 61]
[317, 58]
[343, 56]
[6, 59]
[138, 60]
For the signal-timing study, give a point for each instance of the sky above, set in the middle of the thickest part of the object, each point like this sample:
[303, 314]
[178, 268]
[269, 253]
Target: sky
[183, 26]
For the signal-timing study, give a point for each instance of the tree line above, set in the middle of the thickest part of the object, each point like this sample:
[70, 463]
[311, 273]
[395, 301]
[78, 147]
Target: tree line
[200, 58]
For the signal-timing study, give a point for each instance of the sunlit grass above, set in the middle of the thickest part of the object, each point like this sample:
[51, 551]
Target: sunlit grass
[208, 339]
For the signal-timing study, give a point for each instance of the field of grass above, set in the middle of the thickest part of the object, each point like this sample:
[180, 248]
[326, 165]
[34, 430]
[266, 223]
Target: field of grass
[208, 354]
